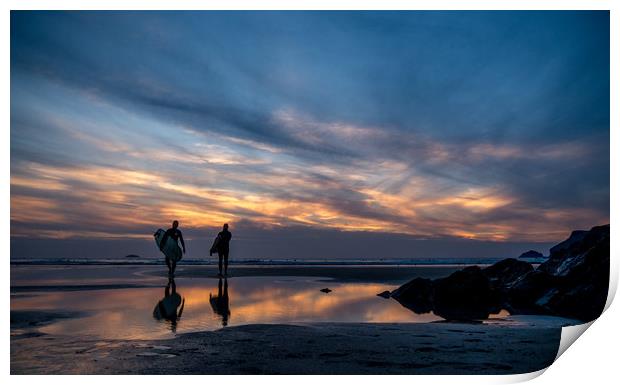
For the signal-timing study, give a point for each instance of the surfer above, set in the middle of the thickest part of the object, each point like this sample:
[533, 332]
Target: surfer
[221, 246]
[175, 234]
[221, 303]
[168, 307]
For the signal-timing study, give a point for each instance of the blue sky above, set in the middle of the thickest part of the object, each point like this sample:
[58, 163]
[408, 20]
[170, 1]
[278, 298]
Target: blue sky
[444, 127]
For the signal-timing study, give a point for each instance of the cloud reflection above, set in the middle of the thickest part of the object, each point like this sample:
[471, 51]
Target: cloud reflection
[129, 313]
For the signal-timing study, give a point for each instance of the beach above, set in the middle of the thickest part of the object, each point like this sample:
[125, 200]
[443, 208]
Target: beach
[98, 320]
[343, 348]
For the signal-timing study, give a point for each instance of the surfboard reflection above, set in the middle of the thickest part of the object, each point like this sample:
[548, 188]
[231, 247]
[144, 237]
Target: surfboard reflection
[220, 303]
[170, 307]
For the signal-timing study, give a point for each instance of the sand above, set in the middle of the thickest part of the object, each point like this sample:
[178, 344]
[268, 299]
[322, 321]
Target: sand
[385, 274]
[502, 347]
[508, 346]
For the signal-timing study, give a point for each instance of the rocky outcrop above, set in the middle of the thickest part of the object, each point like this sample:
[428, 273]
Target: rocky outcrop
[522, 296]
[580, 266]
[573, 283]
[416, 295]
[575, 237]
[505, 273]
[531, 255]
[464, 295]
[576, 254]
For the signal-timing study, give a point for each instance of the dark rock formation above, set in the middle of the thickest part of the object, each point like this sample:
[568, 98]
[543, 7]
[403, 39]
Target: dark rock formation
[416, 295]
[573, 283]
[573, 255]
[505, 273]
[575, 237]
[531, 254]
[581, 267]
[464, 295]
[384, 294]
[326, 290]
[522, 295]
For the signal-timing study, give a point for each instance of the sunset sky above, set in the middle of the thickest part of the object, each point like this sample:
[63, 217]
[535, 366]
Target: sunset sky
[392, 134]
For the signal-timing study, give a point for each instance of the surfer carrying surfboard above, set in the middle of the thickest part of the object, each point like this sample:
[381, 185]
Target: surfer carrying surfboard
[222, 247]
[176, 235]
[168, 307]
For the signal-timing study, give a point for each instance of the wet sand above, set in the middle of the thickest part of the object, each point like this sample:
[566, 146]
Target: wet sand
[507, 346]
[148, 276]
[90, 277]
[384, 274]
[319, 348]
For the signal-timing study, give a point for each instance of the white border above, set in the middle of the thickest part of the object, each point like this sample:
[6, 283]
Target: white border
[590, 360]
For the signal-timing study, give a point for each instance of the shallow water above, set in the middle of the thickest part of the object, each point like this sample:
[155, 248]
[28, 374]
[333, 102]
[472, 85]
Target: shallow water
[197, 304]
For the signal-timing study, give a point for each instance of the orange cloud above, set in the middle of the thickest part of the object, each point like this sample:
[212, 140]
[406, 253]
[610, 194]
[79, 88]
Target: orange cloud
[110, 197]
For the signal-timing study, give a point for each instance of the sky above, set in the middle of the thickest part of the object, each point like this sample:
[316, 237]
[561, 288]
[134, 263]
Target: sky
[313, 134]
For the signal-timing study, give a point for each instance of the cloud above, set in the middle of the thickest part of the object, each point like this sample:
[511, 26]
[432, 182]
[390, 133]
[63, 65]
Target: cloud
[423, 124]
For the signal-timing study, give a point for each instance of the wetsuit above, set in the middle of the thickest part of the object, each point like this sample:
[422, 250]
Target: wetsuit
[174, 234]
[223, 248]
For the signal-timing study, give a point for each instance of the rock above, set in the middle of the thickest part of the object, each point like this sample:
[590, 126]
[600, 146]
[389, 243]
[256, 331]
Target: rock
[581, 267]
[573, 282]
[585, 302]
[416, 295]
[532, 255]
[384, 294]
[506, 272]
[132, 256]
[464, 295]
[575, 237]
[566, 257]
[326, 290]
[523, 293]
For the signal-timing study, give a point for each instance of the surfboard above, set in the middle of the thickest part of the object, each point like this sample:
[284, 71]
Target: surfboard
[216, 241]
[171, 249]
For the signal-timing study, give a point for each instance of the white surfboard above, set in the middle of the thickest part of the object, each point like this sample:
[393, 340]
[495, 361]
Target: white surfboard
[171, 249]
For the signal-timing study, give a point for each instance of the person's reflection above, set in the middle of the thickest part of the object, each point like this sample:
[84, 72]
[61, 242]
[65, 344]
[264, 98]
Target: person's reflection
[220, 304]
[171, 306]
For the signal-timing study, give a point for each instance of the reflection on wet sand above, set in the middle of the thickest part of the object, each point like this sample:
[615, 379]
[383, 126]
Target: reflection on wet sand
[171, 306]
[220, 303]
[129, 313]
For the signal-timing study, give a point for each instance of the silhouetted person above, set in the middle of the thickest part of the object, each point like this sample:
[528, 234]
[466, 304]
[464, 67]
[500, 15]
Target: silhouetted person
[220, 304]
[221, 245]
[175, 234]
[166, 308]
